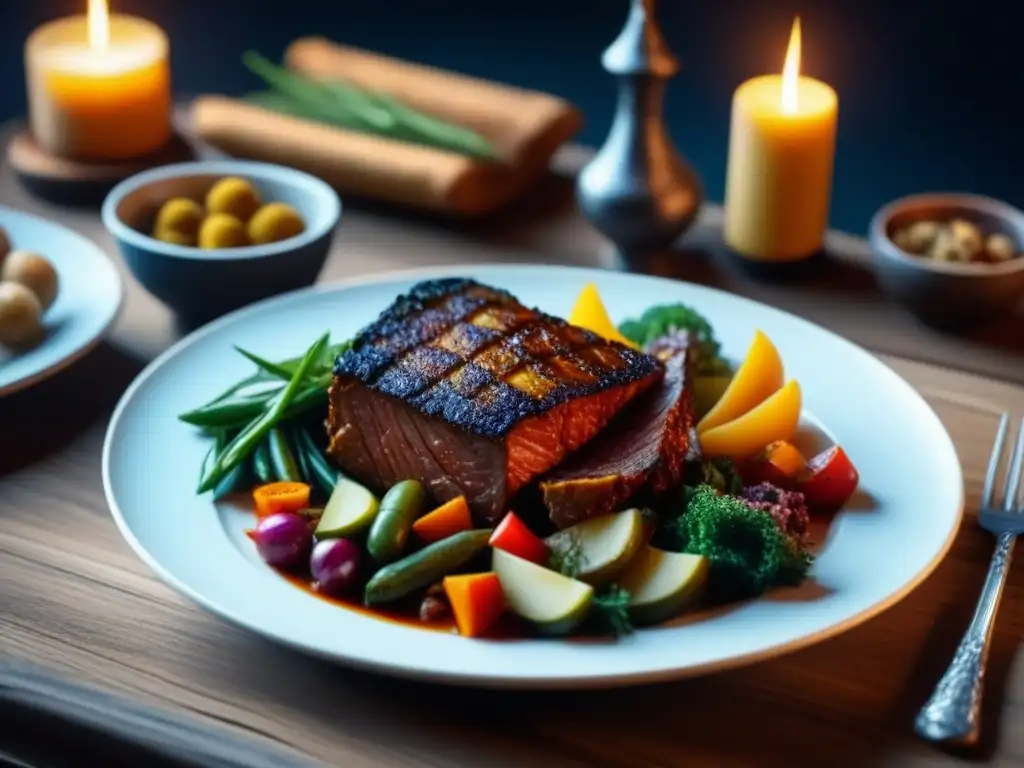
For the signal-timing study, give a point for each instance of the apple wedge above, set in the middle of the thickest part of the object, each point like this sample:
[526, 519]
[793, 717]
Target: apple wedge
[661, 584]
[349, 511]
[601, 547]
[553, 603]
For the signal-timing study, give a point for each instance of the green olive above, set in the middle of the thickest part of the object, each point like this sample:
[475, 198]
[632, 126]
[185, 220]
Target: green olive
[234, 196]
[180, 216]
[222, 230]
[275, 221]
[173, 237]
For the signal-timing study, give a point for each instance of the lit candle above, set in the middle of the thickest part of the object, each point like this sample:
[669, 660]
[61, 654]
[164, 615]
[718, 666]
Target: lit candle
[781, 151]
[99, 86]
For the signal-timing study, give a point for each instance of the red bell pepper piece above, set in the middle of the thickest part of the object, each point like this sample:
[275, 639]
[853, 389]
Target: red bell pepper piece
[831, 481]
[514, 537]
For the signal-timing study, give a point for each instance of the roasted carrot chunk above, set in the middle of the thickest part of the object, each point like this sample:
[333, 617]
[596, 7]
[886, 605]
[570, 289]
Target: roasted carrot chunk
[786, 458]
[447, 520]
[280, 497]
[477, 601]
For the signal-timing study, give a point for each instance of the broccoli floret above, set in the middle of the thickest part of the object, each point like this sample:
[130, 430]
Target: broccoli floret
[787, 508]
[718, 473]
[666, 320]
[747, 552]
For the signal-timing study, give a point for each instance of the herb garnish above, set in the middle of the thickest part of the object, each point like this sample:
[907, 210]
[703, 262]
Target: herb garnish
[567, 556]
[610, 611]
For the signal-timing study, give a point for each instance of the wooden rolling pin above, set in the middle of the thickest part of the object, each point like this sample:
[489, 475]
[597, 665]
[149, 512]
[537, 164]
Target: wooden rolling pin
[525, 128]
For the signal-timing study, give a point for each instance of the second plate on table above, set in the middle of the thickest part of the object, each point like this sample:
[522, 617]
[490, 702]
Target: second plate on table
[88, 299]
[876, 550]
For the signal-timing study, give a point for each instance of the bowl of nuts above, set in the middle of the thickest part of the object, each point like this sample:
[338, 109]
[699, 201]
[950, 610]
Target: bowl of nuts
[954, 260]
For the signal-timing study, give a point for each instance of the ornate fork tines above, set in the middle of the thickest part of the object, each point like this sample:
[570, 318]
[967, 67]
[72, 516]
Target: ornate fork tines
[953, 712]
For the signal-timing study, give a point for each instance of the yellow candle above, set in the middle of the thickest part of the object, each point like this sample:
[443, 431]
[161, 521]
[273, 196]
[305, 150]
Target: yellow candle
[99, 86]
[781, 151]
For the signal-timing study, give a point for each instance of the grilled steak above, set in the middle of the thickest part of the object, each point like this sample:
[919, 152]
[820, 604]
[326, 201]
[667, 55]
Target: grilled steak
[460, 386]
[644, 449]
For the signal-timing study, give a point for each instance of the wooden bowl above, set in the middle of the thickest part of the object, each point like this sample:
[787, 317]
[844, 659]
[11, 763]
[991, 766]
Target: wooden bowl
[943, 294]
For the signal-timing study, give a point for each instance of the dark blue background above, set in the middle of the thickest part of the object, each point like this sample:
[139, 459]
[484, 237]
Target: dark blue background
[928, 92]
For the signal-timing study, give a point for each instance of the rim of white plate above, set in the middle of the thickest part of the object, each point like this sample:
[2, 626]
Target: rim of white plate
[569, 680]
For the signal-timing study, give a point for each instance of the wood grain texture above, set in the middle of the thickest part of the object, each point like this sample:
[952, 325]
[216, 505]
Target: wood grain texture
[75, 599]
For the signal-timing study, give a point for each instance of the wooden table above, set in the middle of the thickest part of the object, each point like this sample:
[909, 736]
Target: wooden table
[74, 598]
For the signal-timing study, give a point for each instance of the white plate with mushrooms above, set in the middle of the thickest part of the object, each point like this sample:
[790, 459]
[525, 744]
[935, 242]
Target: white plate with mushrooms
[59, 293]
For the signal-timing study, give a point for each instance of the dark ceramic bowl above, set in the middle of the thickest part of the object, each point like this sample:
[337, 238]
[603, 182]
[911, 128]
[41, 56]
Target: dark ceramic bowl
[949, 295]
[202, 284]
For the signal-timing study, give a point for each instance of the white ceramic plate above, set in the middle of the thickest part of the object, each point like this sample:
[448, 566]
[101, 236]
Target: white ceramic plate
[874, 554]
[87, 302]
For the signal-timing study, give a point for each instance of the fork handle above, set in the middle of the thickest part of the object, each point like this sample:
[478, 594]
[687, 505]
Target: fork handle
[953, 713]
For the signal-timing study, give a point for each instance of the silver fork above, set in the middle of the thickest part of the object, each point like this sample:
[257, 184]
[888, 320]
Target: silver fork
[953, 713]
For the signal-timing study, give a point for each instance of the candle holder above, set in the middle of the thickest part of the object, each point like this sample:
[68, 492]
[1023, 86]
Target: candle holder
[638, 191]
[64, 181]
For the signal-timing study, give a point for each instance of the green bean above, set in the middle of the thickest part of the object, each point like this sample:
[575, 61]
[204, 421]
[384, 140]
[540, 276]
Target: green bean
[230, 414]
[227, 413]
[285, 370]
[301, 458]
[424, 567]
[234, 481]
[219, 441]
[282, 459]
[233, 394]
[325, 475]
[275, 370]
[399, 509]
[247, 440]
[234, 391]
[261, 463]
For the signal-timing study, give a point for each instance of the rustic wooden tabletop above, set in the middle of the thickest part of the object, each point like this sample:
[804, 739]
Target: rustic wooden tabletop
[75, 599]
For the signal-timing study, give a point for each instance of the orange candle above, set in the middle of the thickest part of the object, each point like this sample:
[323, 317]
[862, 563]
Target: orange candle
[99, 86]
[781, 151]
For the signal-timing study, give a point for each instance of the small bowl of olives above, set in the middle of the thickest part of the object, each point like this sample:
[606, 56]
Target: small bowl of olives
[954, 260]
[208, 237]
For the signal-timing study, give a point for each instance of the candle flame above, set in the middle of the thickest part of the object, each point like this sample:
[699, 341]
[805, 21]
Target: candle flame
[791, 71]
[99, 25]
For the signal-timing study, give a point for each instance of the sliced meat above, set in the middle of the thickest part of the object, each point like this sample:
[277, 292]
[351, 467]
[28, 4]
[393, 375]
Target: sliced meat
[644, 449]
[460, 386]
